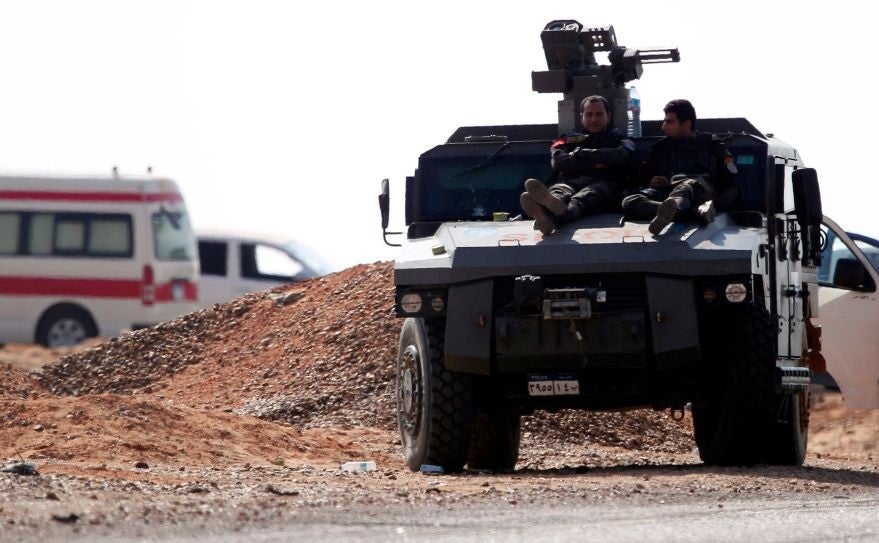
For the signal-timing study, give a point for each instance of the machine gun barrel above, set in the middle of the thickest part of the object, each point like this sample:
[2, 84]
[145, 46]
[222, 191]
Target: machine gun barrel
[657, 56]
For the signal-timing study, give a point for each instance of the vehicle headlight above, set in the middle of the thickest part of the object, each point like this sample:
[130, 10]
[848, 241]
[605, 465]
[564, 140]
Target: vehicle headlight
[736, 292]
[411, 303]
[437, 303]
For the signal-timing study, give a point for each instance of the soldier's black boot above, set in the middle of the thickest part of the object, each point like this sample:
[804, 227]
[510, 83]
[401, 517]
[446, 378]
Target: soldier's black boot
[540, 194]
[667, 212]
[707, 212]
[536, 211]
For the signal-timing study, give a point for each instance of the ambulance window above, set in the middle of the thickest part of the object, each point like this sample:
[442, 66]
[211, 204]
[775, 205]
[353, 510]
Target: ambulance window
[40, 239]
[110, 236]
[10, 229]
[69, 235]
[173, 236]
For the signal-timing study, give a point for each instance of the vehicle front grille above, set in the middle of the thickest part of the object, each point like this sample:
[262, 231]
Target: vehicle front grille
[625, 291]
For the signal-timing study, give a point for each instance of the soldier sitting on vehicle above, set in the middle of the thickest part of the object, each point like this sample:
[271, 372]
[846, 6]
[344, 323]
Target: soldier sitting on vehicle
[589, 167]
[690, 172]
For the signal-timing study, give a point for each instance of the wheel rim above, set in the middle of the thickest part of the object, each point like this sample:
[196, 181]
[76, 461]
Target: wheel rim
[409, 391]
[66, 332]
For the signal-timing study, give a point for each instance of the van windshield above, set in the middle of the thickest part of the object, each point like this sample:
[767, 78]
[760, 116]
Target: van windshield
[172, 235]
[313, 261]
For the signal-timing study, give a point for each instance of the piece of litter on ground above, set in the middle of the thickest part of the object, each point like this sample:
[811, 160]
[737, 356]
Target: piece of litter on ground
[20, 468]
[282, 491]
[358, 467]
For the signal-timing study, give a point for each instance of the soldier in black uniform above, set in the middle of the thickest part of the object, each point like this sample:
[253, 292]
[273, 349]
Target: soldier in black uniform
[691, 173]
[589, 167]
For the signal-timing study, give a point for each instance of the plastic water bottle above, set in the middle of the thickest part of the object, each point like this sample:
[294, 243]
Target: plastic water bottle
[633, 124]
[358, 467]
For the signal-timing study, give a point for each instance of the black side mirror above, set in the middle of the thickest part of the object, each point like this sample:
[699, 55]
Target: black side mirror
[807, 205]
[850, 274]
[384, 204]
[384, 200]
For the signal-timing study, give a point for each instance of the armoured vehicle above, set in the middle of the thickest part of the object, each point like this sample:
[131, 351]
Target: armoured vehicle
[602, 315]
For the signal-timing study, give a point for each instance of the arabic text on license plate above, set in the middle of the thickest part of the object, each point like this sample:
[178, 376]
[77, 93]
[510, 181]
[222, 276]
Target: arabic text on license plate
[553, 385]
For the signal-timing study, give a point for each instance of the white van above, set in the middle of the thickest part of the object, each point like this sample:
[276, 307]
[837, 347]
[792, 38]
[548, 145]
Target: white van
[234, 263]
[82, 257]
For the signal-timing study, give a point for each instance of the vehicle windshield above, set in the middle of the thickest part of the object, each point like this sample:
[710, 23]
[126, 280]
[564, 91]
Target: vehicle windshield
[462, 182]
[172, 235]
[311, 259]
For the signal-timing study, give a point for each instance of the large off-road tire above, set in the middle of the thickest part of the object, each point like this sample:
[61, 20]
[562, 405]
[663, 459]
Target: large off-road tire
[65, 325]
[494, 439]
[434, 405]
[740, 418]
[791, 435]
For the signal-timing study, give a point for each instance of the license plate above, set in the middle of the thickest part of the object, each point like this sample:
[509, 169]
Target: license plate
[564, 384]
[177, 291]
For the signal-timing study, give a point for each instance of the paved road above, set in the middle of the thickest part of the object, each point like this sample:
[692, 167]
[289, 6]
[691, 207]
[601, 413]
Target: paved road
[794, 520]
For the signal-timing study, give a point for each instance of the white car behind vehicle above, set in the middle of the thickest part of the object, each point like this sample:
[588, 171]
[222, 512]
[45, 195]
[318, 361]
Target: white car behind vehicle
[234, 264]
[849, 314]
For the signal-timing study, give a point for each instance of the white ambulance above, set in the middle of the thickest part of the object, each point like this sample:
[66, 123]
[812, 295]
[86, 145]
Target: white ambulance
[84, 257]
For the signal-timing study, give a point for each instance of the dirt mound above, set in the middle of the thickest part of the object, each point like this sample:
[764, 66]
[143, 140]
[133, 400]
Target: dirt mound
[110, 430]
[138, 359]
[16, 383]
[315, 353]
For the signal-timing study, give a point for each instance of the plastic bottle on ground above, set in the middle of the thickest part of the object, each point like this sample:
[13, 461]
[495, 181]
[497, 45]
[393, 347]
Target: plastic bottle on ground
[358, 467]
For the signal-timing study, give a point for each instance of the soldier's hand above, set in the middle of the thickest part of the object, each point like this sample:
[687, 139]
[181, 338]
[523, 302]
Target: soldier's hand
[658, 182]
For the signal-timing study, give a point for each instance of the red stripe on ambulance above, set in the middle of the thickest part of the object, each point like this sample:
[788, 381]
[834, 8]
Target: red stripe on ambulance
[90, 288]
[65, 196]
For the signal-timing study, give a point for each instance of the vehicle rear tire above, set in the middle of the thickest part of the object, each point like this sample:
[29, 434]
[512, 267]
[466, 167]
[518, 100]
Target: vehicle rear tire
[434, 405]
[64, 326]
[494, 439]
[737, 418]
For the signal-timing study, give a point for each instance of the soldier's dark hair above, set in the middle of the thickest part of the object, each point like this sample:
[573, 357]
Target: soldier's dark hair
[595, 98]
[683, 110]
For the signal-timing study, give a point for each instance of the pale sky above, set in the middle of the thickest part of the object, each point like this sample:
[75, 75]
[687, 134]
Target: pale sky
[284, 117]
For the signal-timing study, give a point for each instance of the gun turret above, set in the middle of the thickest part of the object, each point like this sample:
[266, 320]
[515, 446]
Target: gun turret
[572, 69]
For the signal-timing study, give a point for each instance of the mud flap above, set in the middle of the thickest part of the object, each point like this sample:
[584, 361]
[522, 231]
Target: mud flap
[468, 327]
[673, 321]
